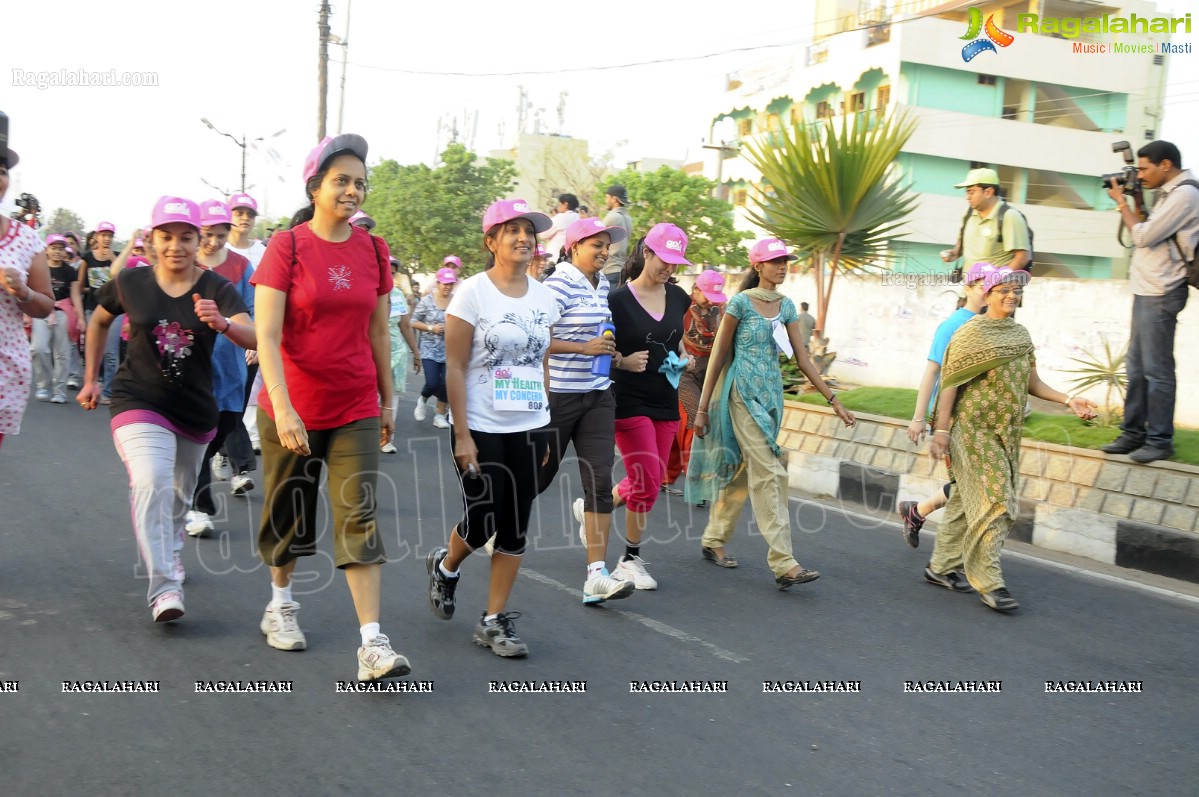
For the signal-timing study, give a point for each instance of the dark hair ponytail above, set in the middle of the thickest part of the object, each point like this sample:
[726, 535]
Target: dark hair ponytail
[305, 214]
[750, 280]
[636, 262]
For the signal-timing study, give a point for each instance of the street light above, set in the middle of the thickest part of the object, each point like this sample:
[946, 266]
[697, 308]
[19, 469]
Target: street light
[243, 144]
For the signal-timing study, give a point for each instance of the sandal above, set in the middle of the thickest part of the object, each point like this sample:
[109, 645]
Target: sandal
[719, 561]
[802, 577]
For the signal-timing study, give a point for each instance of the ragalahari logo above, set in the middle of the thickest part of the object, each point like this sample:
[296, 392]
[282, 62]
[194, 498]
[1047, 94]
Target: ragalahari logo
[990, 36]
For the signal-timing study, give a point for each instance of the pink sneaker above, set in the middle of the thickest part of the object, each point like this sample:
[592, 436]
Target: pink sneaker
[167, 606]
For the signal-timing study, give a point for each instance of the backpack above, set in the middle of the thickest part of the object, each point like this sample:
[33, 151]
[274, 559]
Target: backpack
[1003, 208]
[1192, 266]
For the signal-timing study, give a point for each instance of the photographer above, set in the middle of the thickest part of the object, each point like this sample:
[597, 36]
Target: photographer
[1163, 242]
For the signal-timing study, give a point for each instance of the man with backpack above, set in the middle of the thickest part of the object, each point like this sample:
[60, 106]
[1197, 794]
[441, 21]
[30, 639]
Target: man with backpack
[992, 231]
[1163, 261]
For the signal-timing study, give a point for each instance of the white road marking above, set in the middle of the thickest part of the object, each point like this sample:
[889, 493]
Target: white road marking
[1150, 588]
[648, 622]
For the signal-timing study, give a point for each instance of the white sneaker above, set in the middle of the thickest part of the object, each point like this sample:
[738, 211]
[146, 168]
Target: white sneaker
[221, 469]
[604, 587]
[167, 606]
[422, 411]
[198, 524]
[387, 448]
[633, 569]
[42, 395]
[281, 628]
[377, 660]
[242, 484]
[59, 400]
[440, 422]
[177, 571]
[578, 510]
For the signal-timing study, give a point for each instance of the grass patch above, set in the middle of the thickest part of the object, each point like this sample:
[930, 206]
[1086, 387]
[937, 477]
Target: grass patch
[1065, 430]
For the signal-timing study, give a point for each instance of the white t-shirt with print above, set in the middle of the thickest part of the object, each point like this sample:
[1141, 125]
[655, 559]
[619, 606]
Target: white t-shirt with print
[505, 390]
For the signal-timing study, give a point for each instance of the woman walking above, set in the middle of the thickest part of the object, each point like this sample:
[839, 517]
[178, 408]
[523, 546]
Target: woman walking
[497, 339]
[429, 318]
[648, 312]
[582, 407]
[741, 411]
[988, 373]
[163, 411]
[52, 336]
[321, 298]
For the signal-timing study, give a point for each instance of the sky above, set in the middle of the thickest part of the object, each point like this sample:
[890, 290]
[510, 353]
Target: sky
[250, 68]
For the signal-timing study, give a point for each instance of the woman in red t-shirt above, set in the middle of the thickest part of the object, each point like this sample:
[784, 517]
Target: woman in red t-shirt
[321, 308]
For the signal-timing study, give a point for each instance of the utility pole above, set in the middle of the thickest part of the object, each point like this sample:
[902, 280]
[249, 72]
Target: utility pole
[322, 72]
[345, 49]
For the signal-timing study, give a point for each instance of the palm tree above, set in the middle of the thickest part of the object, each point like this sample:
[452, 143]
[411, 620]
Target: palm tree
[835, 195]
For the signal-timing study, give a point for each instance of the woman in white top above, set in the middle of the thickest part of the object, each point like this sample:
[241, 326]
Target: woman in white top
[497, 337]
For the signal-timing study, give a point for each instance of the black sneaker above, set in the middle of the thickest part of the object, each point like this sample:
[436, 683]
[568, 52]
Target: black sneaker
[912, 523]
[1123, 445]
[500, 635]
[952, 580]
[1000, 600]
[441, 587]
[1146, 454]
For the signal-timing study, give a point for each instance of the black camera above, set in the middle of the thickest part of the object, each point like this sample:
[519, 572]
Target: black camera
[1127, 177]
[29, 204]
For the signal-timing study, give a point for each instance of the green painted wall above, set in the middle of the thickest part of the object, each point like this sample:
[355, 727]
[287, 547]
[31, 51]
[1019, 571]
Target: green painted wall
[952, 90]
[1107, 111]
[932, 175]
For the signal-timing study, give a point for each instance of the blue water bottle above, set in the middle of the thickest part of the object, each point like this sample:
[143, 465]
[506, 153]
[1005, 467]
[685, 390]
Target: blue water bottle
[601, 365]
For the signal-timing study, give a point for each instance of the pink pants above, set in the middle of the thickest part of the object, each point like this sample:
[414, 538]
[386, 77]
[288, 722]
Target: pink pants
[645, 447]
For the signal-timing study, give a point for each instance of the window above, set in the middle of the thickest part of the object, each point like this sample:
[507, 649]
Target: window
[745, 127]
[1159, 59]
[824, 110]
[884, 97]
[979, 165]
[1149, 135]
[986, 80]
[772, 122]
[740, 196]
[856, 102]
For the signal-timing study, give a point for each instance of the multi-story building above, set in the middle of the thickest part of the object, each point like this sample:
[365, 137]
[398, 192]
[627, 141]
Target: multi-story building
[1043, 110]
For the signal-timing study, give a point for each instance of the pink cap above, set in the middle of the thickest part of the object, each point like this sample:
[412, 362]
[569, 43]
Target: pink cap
[105, 226]
[242, 200]
[669, 243]
[506, 210]
[213, 212]
[139, 243]
[70, 251]
[362, 220]
[769, 249]
[453, 261]
[172, 209]
[586, 228]
[447, 276]
[541, 251]
[55, 238]
[711, 284]
[329, 148]
[135, 261]
[992, 276]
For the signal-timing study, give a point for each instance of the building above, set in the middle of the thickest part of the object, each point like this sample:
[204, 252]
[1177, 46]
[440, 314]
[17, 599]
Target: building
[549, 165]
[1044, 110]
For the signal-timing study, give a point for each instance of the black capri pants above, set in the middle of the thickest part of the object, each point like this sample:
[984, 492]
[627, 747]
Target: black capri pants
[589, 421]
[500, 500]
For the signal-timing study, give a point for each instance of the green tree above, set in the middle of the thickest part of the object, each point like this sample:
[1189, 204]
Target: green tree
[685, 200]
[835, 195]
[427, 213]
[63, 220]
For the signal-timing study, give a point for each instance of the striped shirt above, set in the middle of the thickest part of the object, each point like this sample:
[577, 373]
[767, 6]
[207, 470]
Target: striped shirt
[583, 308]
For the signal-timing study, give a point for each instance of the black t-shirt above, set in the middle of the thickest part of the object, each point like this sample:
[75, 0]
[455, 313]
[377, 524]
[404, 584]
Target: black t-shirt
[168, 364]
[94, 274]
[647, 394]
[61, 277]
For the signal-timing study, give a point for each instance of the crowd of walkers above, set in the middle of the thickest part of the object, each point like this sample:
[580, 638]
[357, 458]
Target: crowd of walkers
[208, 348]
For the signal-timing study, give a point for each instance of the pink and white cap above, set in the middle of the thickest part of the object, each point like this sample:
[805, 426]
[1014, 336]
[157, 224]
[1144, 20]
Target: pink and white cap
[362, 220]
[586, 228]
[992, 275]
[669, 243]
[105, 226]
[242, 200]
[711, 284]
[453, 261]
[175, 209]
[447, 276]
[329, 147]
[139, 243]
[214, 212]
[506, 210]
[769, 249]
[541, 251]
[55, 238]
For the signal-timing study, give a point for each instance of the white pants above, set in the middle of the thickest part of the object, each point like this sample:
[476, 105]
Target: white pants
[250, 418]
[163, 468]
[51, 349]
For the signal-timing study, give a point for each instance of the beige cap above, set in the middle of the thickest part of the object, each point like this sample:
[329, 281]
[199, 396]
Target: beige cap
[980, 177]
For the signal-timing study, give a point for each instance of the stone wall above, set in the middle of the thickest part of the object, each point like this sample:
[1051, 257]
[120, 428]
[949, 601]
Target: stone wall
[1078, 501]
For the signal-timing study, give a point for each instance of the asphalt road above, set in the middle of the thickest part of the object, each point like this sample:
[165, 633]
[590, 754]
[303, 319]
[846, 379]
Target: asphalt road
[72, 609]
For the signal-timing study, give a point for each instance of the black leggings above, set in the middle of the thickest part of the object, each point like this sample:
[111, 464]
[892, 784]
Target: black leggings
[589, 421]
[434, 380]
[226, 424]
[500, 500]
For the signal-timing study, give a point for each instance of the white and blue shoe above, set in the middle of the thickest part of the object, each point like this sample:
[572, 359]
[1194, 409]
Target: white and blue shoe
[605, 587]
